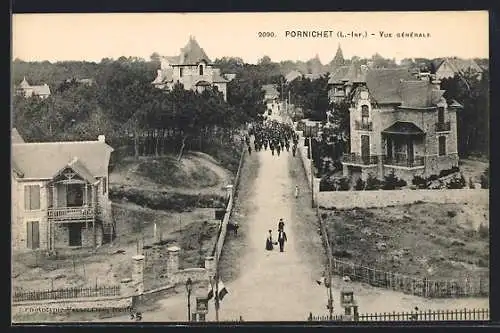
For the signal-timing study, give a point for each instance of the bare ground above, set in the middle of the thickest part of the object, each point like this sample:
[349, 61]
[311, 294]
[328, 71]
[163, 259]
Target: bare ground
[439, 241]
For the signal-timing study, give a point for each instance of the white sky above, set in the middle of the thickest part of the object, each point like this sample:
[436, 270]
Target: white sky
[91, 37]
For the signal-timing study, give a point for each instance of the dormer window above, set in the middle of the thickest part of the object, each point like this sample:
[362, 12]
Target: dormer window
[201, 69]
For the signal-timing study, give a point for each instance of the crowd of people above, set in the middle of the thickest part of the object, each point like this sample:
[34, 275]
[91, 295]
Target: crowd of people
[275, 135]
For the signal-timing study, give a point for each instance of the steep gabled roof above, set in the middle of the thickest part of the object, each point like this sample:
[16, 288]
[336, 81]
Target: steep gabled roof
[337, 77]
[462, 65]
[24, 84]
[293, 75]
[192, 53]
[79, 168]
[384, 84]
[41, 90]
[42, 160]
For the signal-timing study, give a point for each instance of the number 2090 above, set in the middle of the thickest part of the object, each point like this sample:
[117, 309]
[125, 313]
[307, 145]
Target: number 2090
[266, 34]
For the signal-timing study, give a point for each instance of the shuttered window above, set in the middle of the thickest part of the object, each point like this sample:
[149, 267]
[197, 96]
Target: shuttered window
[442, 145]
[32, 197]
[104, 185]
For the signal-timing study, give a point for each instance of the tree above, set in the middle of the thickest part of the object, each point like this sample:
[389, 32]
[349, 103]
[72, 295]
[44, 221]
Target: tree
[473, 119]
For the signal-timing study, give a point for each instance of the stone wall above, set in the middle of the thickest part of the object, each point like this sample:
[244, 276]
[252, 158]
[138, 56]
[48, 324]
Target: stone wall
[381, 198]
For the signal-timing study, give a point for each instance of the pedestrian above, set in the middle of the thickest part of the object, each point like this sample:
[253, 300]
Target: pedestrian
[281, 240]
[269, 241]
[249, 150]
[296, 191]
[281, 225]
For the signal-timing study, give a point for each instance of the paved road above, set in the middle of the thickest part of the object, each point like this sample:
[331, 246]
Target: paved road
[276, 286]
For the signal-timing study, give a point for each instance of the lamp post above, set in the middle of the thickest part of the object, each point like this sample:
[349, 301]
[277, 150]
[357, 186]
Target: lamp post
[189, 288]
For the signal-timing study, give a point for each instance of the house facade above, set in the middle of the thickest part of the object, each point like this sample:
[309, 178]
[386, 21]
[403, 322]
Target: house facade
[449, 67]
[400, 124]
[271, 98]
[60, 195]
[193, 69]
[27, 90]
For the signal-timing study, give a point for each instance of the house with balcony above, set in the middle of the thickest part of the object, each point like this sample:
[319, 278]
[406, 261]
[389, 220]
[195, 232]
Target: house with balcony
[60, 194]
[193, 69]
[400, 124]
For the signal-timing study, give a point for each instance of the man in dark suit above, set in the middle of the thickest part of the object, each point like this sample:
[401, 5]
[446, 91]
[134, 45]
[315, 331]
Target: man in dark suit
[281, 240]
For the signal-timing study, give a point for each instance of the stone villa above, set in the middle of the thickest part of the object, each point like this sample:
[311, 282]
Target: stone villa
[399, 123]
[27, 90]
[60, 194]
[193, 69]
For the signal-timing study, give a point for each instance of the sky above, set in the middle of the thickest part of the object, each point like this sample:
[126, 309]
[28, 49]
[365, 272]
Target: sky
[91, 37]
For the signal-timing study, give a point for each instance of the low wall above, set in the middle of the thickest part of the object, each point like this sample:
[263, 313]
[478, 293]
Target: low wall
[223, 228]
[381, 198]
[306, 163]
[81, 304]
[196, 275]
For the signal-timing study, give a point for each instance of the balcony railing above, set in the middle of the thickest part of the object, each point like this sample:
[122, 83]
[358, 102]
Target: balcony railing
[404, 161]
[68, 214]
[358, 159]
[360, 126]
[443, 127]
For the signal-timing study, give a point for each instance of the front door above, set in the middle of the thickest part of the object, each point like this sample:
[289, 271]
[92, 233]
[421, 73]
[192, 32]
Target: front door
[409, 151]
[365, 148]
[75, 234]
[33, 235]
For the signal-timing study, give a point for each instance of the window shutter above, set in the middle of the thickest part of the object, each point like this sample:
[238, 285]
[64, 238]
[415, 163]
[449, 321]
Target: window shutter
[35, 197]
[27, 197]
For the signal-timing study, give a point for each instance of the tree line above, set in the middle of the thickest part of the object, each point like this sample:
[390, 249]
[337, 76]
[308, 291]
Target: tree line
[125, 106]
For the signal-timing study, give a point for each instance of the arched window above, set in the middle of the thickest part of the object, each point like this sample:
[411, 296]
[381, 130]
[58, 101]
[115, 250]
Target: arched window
[365, 114]
[201, 69]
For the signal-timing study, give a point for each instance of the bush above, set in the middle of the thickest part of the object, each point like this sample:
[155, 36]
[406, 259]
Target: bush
[343, 184]
[360, 185]
[447, 172]
[372, 183]
[327, 183]
[391, 182]
[485, 179]
[456, 183]
[419, 182]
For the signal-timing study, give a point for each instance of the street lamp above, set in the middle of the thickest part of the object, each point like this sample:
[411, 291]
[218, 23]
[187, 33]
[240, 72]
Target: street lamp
[189, 288]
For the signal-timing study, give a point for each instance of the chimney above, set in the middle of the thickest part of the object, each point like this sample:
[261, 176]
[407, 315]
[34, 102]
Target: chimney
[101, 138]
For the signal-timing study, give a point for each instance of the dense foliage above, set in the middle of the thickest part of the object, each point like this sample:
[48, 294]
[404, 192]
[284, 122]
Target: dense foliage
[473, 119]
[124, 104]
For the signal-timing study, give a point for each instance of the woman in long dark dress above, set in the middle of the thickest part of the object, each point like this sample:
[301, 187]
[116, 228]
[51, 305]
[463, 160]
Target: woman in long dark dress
[269, 241]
